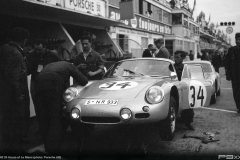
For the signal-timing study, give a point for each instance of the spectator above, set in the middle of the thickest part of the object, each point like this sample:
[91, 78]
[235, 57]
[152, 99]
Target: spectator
[89, 62]
[50, 85]
[187, 114]
[205, 56]
[12, 99]
[163, 52]
[233, 69]
[191, 56]
[149, 51]
[216, 60]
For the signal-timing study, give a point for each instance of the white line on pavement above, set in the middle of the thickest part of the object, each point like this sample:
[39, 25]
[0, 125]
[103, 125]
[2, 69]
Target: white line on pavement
[226, 88]
[219, 110]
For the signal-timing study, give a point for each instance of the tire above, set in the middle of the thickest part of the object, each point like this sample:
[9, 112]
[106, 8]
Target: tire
[219, 92]
[213, 98]
[168, 125]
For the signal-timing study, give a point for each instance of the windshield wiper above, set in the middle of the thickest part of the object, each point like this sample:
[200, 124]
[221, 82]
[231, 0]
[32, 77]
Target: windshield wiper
[132, 72]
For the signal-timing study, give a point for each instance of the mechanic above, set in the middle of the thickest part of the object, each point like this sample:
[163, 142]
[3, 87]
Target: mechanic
[13, 85]
[163, 52]
[89, 62]
[50, 85]
[187, 114]
[233, 69]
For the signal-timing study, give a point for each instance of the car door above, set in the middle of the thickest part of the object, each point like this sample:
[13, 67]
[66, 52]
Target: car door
[197, 89]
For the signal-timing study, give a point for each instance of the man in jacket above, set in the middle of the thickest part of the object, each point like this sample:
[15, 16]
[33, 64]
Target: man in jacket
[89, 62]
[149, 51]
[233, 69]
[163, 52]
[12, 80]
[50, 85]
[187, 114]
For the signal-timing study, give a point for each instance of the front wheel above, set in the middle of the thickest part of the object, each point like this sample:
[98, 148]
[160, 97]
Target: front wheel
[168, 125]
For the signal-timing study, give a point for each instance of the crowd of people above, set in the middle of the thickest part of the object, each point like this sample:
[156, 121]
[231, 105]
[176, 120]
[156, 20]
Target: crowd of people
[50, 76]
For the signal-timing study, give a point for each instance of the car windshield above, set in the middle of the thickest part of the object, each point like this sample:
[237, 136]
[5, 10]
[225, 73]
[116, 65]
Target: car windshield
[139, 67]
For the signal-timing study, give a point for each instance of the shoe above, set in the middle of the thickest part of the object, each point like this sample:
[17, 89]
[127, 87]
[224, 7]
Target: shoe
[189, 126]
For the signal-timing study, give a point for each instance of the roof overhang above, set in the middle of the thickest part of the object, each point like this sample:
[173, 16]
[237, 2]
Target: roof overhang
[43, 11]
[206, 35]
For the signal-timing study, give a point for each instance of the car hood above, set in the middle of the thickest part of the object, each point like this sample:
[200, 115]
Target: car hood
[118, 88]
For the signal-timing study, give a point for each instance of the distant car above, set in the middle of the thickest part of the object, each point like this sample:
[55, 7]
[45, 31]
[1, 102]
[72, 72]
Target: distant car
[210, 74]
[139, 91]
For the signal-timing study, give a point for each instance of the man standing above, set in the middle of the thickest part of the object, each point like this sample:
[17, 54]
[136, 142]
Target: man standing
[233, 69]
[149, 51]
[187, 114]
[12, 76]
[191, 56]
[163, 52]
[89, 62]
[50, 85]
[216, 61]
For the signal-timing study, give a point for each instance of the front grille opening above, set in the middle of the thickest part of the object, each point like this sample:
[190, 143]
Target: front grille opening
[142, 115]
[101, 119]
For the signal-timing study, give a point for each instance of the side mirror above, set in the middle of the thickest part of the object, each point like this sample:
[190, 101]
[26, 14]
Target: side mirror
[173, 75]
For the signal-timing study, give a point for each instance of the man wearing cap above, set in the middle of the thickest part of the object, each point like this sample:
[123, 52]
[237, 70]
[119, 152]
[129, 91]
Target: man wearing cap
[233, 69]
[163, 52]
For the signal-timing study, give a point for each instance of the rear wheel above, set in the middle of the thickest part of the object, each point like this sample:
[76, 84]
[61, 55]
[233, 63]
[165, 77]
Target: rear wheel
[168, 126]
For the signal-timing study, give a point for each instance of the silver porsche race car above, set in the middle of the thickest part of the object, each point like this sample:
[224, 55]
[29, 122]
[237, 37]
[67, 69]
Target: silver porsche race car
[139, 91]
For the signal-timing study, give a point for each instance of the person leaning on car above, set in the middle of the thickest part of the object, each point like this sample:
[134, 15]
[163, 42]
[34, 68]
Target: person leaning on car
[187, 114]
[50, 84]
[13, 83]
[89, 62]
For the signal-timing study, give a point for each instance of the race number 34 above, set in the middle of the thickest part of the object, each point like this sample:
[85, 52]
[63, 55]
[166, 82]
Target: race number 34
[197, 94]
[118, 85]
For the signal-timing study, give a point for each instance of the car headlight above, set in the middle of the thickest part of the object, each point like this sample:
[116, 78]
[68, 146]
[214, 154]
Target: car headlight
[70, 93]
[126, 114]
[155, 94]
[75, 113]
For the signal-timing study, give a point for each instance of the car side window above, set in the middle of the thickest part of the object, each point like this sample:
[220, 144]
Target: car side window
[196, 72]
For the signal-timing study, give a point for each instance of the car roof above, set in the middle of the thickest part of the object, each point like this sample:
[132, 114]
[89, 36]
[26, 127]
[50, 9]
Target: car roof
[162, 59]
[197, 62]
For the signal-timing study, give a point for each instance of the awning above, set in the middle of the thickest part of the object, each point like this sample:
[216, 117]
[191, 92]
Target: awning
[42, 11]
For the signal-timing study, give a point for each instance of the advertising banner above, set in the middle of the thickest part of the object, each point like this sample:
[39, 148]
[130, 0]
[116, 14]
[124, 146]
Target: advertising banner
[95, 7]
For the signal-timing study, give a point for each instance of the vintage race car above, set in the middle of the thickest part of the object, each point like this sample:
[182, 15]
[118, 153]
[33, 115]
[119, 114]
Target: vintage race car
[210, 74]
[139, 91]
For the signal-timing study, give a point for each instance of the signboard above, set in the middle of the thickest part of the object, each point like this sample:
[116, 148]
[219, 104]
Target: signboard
[229, 30]
[95, 7]
[141, 22]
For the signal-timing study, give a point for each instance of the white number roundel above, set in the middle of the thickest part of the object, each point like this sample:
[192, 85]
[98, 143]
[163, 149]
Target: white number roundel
[197, 94]
[118, 85]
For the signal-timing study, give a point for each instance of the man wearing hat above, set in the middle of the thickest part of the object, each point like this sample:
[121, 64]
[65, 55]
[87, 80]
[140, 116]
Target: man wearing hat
[163, 52]
[233, 69]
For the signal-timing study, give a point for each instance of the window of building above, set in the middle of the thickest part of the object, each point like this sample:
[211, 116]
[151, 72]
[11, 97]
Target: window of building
[167, 17]
[144, 42]
[114, 2]
[157, 13]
